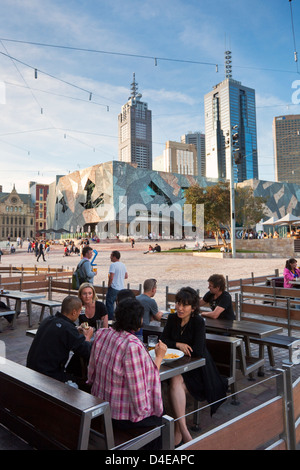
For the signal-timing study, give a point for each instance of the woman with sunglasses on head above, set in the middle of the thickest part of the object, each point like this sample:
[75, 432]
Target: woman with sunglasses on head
[185, 330]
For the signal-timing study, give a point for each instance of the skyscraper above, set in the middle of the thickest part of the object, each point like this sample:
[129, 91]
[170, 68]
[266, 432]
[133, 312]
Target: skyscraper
[230, 104]
[286, 137]
[177, 157]
[198, 140]
[135, 130]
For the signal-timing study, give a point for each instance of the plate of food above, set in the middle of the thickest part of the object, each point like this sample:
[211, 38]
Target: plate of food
[171, 355]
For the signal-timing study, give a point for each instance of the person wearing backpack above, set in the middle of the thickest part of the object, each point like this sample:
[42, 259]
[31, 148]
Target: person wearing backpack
[84, 270]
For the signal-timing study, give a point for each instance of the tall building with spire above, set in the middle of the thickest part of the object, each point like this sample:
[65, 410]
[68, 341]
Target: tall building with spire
[230, 107]
[135, 130]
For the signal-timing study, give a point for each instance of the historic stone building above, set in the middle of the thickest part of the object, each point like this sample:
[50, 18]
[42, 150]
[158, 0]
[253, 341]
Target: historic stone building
[16, 215]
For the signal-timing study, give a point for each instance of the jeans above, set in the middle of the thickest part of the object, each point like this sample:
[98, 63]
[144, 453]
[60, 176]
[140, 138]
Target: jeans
[111, 296]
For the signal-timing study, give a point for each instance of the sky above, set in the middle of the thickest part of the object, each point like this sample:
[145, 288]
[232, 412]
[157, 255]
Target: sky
[66, 70]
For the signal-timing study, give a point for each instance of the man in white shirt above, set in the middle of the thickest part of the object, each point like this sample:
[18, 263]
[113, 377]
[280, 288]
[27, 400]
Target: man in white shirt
[116, 275]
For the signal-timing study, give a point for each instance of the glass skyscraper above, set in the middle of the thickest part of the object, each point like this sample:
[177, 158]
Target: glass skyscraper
[230, 104]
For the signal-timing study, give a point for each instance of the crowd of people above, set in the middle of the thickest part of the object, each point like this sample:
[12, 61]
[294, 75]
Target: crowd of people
[119, 368]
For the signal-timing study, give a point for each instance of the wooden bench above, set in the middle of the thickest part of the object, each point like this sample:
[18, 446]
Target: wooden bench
[46, 413]
[4, 313]
[292, 344]
[277, 315]
[269, 426]
[51, 304]
[51, 415]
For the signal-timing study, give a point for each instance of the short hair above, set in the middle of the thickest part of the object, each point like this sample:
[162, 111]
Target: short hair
[116, 254]
[85, 249]
[70, 303]
[218, 280]
[188, 296]
[84, 285]
[149, 284]
[289, 262]
[124, 294]
[129, 315]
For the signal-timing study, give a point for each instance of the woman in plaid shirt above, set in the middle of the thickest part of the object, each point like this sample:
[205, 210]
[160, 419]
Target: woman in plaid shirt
[122, 372]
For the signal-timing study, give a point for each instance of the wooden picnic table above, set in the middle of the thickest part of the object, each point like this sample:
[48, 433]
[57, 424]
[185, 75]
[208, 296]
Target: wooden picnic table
[22, 296]
[246, 330]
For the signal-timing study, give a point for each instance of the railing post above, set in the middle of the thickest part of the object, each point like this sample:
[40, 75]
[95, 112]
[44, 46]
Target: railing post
[50, 288]
[167, 433]
[288, 311]
[285, 389]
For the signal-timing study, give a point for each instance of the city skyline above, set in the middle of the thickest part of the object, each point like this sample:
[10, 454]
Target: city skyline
[66, 69]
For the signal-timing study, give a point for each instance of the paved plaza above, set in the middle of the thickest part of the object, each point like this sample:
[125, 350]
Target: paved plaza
[170, 269]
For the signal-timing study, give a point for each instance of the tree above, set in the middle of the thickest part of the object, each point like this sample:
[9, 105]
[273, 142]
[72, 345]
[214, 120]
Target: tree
[249, 209]
[216, 200]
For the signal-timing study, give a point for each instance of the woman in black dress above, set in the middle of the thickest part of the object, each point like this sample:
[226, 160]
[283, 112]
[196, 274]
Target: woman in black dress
[94, 309]
[185, 330]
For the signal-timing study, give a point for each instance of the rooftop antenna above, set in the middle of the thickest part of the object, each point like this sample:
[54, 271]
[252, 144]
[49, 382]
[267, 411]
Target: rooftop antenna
[134, 89]
[228, 66]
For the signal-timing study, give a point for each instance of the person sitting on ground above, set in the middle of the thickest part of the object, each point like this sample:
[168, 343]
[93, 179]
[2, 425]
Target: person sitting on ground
[185, 330]
[218, 299]
[157, 248]
[290, 273]
[122, 372]
[150, 306]
[93, 309]
[56, 337]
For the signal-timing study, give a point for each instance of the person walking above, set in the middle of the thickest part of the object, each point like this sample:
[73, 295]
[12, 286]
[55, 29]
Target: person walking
[41, 252]
[116, 275]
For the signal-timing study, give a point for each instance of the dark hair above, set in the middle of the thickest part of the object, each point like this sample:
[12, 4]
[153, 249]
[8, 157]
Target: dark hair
[289, 262]
[129, 315]
[116, 254]
[124, 294]
[85, 249]
[188, 296]
[149, 284]
[70, 303]
[218, 280]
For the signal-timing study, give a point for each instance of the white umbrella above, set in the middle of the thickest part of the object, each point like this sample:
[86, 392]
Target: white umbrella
[288, 219]
[271, 221]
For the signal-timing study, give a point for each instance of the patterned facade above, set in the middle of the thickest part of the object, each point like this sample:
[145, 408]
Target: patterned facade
[114, 193]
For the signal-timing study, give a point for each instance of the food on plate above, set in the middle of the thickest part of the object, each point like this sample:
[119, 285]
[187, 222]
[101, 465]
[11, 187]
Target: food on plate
[171, 356]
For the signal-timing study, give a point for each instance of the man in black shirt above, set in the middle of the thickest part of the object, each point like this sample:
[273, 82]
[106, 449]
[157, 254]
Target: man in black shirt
[56, 337]
[218, 299]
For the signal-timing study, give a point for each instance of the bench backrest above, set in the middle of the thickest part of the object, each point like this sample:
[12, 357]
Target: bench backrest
[51, 413]
[278, 315]
[248, 432]
[267, 426]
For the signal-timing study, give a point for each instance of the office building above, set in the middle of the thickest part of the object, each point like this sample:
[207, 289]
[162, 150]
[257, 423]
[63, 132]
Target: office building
[135, 131]
[230, 104]
[198, 140]
[177, 158]
[286, 138]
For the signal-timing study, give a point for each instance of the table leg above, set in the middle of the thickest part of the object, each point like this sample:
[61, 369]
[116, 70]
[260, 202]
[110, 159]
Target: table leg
[29, 312]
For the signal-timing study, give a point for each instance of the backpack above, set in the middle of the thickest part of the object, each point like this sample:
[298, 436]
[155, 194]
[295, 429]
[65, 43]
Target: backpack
[78, 277]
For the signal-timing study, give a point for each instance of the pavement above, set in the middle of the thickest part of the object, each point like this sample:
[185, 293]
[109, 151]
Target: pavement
[170, 269]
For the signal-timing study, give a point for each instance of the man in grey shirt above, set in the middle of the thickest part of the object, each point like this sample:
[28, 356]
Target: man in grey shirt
[150, 306]
[87, 273]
